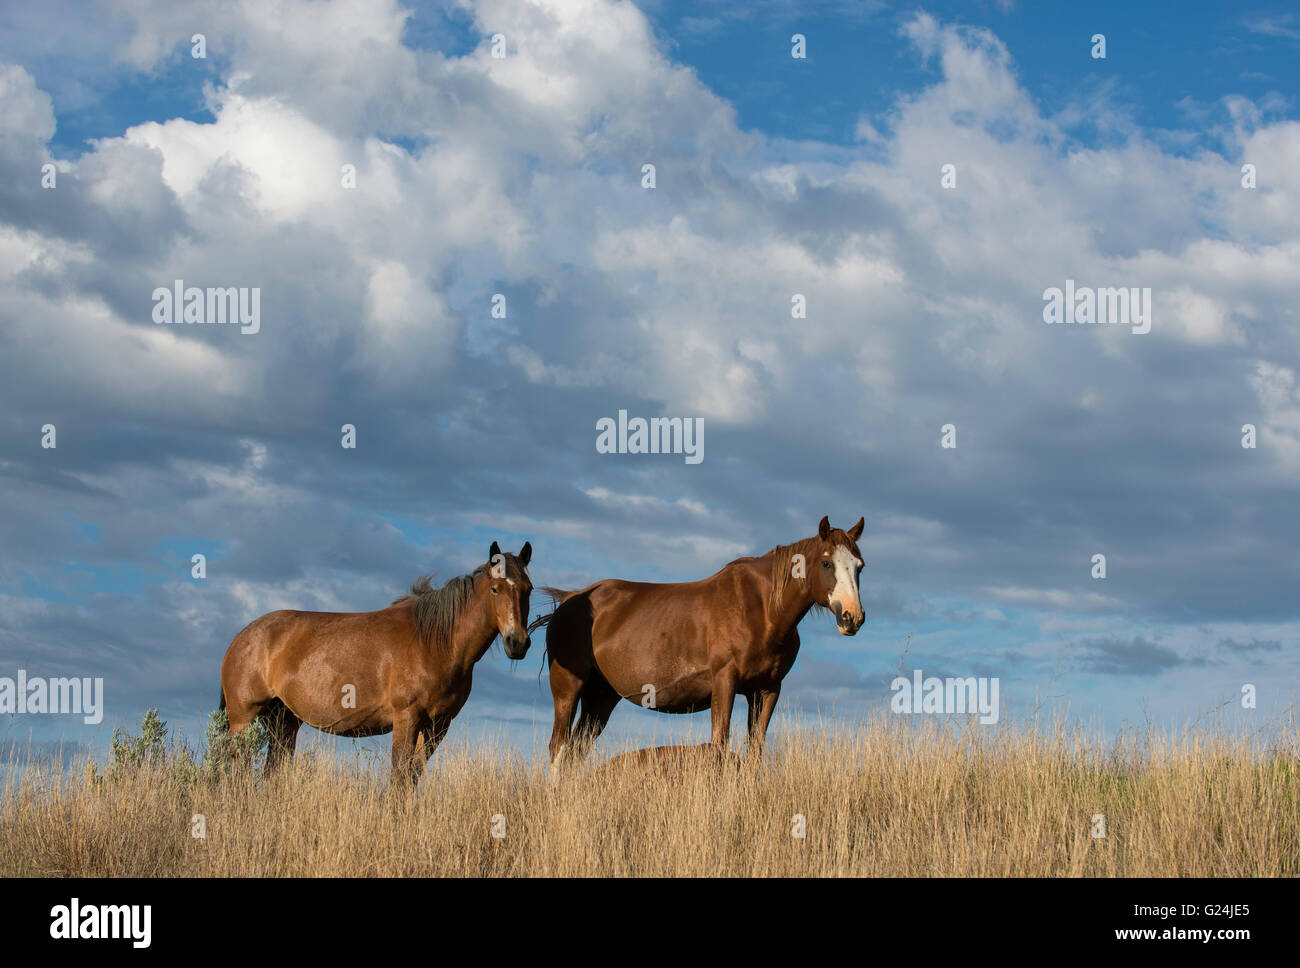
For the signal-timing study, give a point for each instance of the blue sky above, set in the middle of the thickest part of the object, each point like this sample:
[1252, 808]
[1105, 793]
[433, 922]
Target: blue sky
[1165, 70]
[775, 176]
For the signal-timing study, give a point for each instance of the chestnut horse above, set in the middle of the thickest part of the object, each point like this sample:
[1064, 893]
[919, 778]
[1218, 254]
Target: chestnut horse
[687, 646]
[670, 760]
[405, 669]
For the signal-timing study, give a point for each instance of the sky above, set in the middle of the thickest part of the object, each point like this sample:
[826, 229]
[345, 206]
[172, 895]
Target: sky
[776, 177]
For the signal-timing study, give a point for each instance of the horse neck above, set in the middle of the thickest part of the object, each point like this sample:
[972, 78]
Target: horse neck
[795, 601]
[473, 631]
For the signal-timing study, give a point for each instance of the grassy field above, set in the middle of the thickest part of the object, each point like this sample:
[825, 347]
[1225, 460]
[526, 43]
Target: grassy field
[881, 799]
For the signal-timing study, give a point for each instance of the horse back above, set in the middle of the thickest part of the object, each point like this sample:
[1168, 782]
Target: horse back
[676, 605]
[289, 638]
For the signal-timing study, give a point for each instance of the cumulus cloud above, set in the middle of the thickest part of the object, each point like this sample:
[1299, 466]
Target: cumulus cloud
[522, 176]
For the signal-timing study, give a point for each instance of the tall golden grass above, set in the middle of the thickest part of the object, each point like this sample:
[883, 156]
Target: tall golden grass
[879, 800]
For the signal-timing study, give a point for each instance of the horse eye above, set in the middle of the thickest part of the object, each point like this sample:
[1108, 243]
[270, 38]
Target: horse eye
[826, 564]
[494, 589]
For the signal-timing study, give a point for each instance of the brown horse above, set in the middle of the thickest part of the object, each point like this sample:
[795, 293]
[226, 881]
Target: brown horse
[688, 646]
[669, 760]
[405, 669]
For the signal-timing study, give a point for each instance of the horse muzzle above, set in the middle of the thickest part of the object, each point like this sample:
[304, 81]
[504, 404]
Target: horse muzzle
[516, 646]
[847, 622]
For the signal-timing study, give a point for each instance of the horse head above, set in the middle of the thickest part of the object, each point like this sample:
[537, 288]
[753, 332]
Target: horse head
[833, 578]
[508, 597]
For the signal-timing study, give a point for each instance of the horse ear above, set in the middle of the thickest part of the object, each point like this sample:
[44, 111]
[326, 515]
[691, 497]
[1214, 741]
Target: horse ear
[526, 553]
[494, 551]
[824, 528]
[855, 532]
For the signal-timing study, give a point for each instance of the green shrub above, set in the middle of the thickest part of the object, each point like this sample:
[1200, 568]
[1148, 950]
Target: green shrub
[226, 752]
[149, 749]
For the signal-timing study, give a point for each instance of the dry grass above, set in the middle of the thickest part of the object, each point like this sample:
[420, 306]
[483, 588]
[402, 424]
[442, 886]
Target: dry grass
[879, 800]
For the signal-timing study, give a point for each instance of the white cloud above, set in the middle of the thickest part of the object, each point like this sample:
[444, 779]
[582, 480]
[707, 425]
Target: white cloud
[477, 175]
[25, 111]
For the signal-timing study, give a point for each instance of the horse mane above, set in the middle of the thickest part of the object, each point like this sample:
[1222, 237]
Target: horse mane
[436, 609]
[783, 565]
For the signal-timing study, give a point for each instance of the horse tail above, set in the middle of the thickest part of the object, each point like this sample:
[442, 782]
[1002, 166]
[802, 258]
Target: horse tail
[557, 596]
[221, 705]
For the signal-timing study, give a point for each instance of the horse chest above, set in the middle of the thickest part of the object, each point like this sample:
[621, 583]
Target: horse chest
[759, 670]
[447, 695]
[765, 664]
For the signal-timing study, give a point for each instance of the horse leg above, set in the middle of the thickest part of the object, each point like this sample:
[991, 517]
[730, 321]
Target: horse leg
[407, 766]
[245, 692]
[598, 702]
[566, 687]
[724, 697]
[241, 712]
[246, 699]
[282, 726]
[431, 737]
[760, 714]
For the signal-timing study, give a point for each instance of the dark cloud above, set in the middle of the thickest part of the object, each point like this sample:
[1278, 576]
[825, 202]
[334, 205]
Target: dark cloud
[1253, 647]
[1116, 657]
